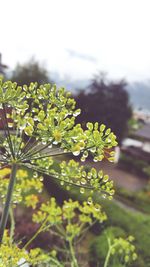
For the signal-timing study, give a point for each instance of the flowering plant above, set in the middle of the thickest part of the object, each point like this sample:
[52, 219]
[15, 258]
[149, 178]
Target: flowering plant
[38, 126]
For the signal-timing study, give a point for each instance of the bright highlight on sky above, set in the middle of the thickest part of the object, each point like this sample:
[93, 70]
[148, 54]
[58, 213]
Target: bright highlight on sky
[78, 38]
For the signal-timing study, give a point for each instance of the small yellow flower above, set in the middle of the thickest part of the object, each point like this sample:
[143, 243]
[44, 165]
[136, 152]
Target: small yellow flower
[57, 135]
[31, 201]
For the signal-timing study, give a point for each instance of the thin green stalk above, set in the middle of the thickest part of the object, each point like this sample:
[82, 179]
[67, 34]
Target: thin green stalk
[12, 221]
[41, 229]
[108, 253]
[55, 261]
[60, 230]
[36, 234]
[74, 260]
[107, 258]
[84, 231]
[30, 153]
[8, 201]
[33, 237]
[21, 142]
[51, 155]
[40, 170]
[8, 132]
[29, 146]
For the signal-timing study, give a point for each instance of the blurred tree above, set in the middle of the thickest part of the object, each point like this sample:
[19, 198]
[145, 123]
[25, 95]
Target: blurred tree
[108, 102]
[29, 72]
[3, 67]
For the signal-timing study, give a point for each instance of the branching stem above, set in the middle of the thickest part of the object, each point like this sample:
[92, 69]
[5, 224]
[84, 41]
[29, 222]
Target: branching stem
[110, 247]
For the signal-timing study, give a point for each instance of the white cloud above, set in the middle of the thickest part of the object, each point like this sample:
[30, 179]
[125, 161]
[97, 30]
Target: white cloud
[116, 33]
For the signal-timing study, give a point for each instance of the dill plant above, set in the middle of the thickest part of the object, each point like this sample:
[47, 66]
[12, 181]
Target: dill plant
[38, 125]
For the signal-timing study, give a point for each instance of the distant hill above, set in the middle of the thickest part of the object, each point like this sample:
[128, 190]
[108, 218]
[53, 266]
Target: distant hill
[139, 92]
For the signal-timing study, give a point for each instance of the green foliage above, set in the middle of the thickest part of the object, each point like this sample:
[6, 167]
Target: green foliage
[98, 252]
[121, 250]
[133, 224]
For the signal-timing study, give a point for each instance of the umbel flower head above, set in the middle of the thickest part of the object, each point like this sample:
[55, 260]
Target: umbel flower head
[38, 125]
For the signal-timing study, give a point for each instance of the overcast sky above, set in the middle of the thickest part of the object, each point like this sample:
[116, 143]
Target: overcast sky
[78, 37]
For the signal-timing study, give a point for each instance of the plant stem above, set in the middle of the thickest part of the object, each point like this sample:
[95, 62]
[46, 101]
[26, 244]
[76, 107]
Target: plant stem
[108, 253]
[74, 260]
[107, 258]
[36, 234]
[8, 132]
[8, 201]
[12, 228]
[33, 237]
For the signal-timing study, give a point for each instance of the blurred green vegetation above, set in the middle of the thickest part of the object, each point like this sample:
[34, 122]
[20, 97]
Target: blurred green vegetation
[98, 251]
[31, 71]
[136, 166]
[130, 222]
[133, 223]
[140, 200]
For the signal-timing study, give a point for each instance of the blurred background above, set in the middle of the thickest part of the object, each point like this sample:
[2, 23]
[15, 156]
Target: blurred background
[98, 50]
